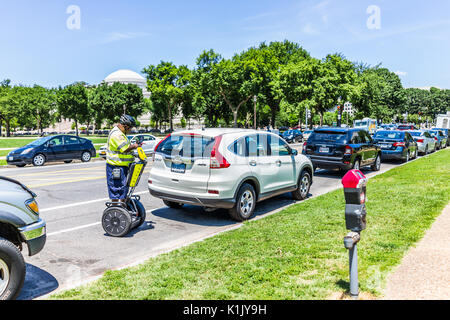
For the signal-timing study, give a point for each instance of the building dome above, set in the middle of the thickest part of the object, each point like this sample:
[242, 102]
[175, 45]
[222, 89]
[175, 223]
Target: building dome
[126, 76]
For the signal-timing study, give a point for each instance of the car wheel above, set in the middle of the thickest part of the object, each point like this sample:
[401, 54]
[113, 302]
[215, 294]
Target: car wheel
[357, 164]
[39, 160]
[12, 270]
[304, 185]
[407, 156]
[86, 156]
[20, 165]
[173, 205]
[377, 165]
[68, 161]
[245, 203]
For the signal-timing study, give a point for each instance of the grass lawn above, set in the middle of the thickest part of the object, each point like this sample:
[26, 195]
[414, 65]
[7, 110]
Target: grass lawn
[297, 253]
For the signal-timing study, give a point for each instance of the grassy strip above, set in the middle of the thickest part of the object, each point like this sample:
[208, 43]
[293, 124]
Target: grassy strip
[297, 253]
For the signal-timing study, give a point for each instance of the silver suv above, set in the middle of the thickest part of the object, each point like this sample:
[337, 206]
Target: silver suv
[19, 224]
[227, 168]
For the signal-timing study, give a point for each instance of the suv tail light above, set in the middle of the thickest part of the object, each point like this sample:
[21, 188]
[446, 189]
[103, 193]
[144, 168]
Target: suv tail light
[420, 140]
[305, 144]
[348, 150]
[157, 146]
[218, 161]
[399, 144]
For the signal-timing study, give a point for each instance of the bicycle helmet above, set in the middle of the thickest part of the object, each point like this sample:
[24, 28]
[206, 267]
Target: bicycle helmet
[128, 121]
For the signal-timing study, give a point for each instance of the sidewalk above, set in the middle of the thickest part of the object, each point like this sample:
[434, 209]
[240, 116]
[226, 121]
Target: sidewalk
[424, 273]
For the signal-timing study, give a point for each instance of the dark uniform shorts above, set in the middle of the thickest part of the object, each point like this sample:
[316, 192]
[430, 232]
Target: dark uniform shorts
[117, 188]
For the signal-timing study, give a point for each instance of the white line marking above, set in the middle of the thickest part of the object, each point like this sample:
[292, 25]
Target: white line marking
[82, 203]
[73, 229]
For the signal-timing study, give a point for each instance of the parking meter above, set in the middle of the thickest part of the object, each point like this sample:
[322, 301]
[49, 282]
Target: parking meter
[354, 183]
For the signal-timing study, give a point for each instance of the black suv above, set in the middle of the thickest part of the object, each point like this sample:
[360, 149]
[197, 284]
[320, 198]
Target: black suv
[343, 148]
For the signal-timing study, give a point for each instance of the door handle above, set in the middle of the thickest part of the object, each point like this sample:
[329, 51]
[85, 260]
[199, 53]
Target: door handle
[252, 163]
[278, 163]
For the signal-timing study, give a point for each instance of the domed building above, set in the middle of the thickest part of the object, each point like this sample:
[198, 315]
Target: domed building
[126, 76]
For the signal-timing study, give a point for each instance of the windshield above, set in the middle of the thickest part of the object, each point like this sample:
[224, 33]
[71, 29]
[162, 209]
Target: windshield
[39, 142]
[360, 123]
[328, 136]
[389, 135]
[187, 146]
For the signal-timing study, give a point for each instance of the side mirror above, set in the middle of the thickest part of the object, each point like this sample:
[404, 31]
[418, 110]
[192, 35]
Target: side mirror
[51, 144]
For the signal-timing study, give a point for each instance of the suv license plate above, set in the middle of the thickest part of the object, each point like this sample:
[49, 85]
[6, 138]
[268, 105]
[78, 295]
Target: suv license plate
[178, 168]
[385, 146]
[324, 150]
[10, 158]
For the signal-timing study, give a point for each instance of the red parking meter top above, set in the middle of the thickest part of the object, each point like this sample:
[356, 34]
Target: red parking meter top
[354, 179]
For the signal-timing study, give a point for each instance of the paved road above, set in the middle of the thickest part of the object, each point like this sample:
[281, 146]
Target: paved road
[72, 198]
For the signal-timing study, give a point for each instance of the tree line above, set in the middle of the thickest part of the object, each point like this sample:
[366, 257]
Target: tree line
[279, 80]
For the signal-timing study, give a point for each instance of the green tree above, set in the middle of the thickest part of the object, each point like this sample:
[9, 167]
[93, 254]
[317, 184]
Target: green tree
[73, 103]
[167, 84]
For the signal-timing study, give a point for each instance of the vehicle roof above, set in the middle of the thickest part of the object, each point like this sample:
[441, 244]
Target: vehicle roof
[214, 132]
[336, 129]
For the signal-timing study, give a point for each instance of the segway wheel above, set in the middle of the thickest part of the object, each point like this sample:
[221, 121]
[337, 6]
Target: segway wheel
[116, 221]
[141, 214]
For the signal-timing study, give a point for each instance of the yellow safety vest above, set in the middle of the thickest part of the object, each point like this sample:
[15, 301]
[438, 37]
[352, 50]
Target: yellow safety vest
[115, 149]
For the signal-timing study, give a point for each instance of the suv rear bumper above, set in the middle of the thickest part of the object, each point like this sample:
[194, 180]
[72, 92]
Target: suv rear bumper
[34, 236]
[196, 201]
[322, 162]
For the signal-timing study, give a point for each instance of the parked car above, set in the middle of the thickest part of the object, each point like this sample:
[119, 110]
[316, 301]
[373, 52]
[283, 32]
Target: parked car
[446, 132]
[343, 148]
[440, 137]
[425, 142]
[292, 136]
[406, 127]
[398, 145]
[148, 142]
[19, 224]
[227, 168]
[52, 148]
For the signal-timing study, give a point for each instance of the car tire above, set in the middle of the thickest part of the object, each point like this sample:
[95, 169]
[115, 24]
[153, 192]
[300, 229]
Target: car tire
[86, 156]
[245, 203]
[67, 161]
[12, 270]
[173, 205]
[407, 157]
[356, 164]
[20, 165]
[304, 184]
[377, 165]
[39, 160]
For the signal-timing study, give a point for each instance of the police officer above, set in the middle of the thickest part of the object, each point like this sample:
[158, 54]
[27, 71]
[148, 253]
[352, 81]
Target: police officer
[118, 158]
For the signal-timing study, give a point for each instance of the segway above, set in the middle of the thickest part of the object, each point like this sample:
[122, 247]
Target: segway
[119, 218]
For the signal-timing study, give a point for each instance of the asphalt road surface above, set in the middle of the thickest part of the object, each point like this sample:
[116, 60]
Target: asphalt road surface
[72, 198]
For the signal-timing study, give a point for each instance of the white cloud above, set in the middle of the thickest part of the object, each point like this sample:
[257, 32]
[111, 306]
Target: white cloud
[309, 29]
[401, 73]
[118, 36]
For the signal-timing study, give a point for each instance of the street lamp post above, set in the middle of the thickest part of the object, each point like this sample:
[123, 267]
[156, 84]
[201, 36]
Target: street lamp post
[254, 112]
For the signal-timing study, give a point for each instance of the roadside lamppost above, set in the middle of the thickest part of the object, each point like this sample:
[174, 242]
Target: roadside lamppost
[254, 111]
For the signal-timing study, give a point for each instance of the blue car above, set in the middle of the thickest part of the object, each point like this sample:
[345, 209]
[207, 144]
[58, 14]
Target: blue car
[52, 148]
[292, 136]
[446, 133]
[397, 145]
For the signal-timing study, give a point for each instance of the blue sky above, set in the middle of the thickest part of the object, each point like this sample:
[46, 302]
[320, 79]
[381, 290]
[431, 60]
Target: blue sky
[37, 47]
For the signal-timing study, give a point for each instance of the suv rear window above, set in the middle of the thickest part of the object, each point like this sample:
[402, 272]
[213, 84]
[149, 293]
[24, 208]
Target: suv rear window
[389, 135]
[328, 136]
[187, 146]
